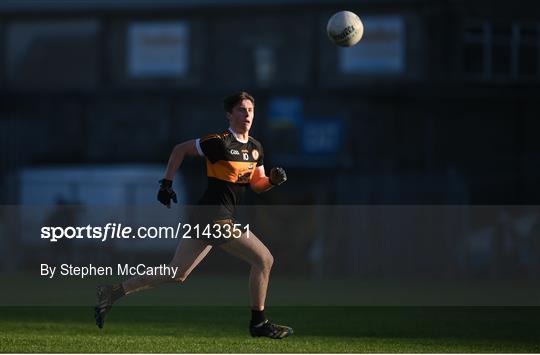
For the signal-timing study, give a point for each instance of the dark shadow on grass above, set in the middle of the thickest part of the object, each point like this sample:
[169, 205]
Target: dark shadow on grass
[514, 324]
[498, 323]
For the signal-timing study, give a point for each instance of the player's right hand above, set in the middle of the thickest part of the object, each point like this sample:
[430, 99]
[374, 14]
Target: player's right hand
[166, 193]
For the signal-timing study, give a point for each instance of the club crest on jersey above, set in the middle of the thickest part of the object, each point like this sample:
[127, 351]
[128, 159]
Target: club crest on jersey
[255, 154]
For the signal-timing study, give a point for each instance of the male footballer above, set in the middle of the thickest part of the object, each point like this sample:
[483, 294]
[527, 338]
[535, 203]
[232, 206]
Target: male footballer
[234, 160]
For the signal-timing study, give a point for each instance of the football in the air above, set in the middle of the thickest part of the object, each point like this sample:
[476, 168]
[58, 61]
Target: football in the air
[345, 28]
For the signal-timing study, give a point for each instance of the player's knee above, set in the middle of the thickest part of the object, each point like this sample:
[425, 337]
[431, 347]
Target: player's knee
[266, 261]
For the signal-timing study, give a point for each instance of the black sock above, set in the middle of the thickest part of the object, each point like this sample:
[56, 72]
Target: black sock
[117, 292]
[257, 317]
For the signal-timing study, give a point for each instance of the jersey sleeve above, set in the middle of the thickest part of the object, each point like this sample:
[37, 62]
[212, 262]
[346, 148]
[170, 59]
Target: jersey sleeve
[211, 147]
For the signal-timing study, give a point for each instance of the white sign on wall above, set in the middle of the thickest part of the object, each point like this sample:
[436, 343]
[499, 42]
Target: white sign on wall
[158, 49]
[381, 50]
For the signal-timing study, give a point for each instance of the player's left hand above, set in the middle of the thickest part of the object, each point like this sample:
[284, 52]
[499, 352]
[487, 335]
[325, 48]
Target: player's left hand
[277, 176]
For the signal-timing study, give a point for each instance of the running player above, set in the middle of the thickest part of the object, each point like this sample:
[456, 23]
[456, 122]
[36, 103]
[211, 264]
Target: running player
[234, 160]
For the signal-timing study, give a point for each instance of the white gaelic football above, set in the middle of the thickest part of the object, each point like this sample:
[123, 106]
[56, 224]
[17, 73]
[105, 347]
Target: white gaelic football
[345, 28]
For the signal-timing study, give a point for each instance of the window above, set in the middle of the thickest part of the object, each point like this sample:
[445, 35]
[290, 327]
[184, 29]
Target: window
[158, 50]
[495, 51]
[381, 51]
[528, 49]
[52, 54]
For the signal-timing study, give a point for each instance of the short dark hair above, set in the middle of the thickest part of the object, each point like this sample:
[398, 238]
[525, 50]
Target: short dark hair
[234, 99]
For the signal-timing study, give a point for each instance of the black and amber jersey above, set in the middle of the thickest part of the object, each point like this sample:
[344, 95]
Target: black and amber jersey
[230, 165]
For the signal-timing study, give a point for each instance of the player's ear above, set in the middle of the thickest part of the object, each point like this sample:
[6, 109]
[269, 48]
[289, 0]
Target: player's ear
[228, 115]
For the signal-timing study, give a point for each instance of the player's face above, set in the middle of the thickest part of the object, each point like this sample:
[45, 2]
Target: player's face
[241, 116]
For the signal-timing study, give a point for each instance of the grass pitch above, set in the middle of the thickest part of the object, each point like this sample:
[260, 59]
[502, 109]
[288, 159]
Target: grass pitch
[317, 329]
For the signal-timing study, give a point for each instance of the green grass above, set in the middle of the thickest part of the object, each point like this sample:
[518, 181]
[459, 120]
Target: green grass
[318, 329]
[201, 290]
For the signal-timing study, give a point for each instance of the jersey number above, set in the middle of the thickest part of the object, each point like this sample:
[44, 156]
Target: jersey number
[245, 156]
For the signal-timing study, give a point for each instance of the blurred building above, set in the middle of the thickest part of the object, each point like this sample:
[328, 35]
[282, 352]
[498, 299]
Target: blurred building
[436, 104]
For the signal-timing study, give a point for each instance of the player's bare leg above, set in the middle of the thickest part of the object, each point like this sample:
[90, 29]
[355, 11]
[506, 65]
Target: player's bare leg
[189, 253]
[249, 248]
[252, 250]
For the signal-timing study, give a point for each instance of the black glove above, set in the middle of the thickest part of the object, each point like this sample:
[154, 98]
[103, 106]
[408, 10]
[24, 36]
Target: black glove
[166, 193]
[277, 176]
